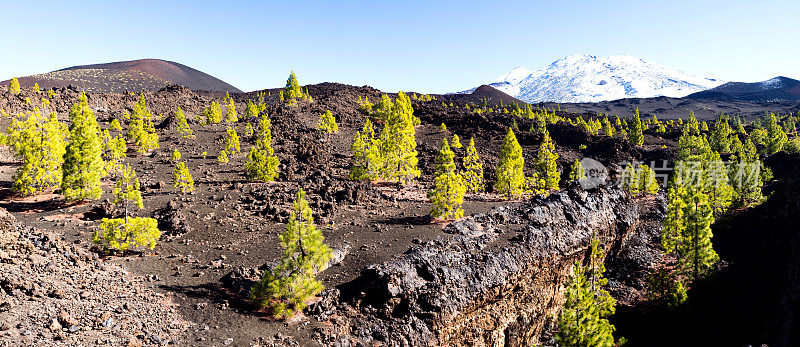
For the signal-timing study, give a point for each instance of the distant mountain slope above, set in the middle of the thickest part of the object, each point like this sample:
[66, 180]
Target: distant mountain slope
[134, 75]
[776, 89]
[492, 96]
[587, 78]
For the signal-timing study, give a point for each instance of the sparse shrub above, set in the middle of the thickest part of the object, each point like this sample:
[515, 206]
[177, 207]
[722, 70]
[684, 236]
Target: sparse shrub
[288, 287]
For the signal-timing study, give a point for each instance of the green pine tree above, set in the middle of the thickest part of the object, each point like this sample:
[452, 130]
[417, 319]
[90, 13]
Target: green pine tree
[576, 171]
[647, 180]
[510, 175]
[776, 138]
[583, 319]
[635, 130]
[398, 146]
[182, 179]
[183, 126]
[232, 141]
[366, 155]
[608, 130]
[83, 165]
[546, 163]
[230, 114]
[473, 169]
[448, 192]
[13, 86]
[327, 123]
[262, 164]
[212, 114]
[288, 287]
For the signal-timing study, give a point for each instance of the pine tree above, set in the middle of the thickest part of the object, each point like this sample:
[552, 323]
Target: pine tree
[83, 166]
[327, 123]
[546, 165]
[720, 137]
[576, 171]
[635, 130]
[176, 155]
[262, 164]
[212, 114]
[40, 145]
[608, 130]
[232, 141]
[630, 179]
[398, 146]
[115, 149]
[366, 155]
[457, 141]
[36, 89]
[230, 114]
[115, 125]
[126, 190]
[647, 180]
[776, 138]
[223, 157]
[251, 111]
[141, 130]
[746, 176]
[510, 175]
[674, 222]
[473, 169]
[288, 287]
[292, 91]
[13, 86]
[183, 126]
[666, 287]
[182, 179]
[698, 255]
[583, 318]
[448, 192]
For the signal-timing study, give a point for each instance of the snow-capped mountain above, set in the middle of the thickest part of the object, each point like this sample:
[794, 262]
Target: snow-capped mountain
[587, 78]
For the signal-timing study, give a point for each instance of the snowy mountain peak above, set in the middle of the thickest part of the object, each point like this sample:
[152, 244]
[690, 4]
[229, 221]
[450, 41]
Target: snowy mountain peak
[588, 78]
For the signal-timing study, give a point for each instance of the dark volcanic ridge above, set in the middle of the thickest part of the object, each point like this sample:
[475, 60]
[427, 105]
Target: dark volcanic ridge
[776, 89]
[135, 76]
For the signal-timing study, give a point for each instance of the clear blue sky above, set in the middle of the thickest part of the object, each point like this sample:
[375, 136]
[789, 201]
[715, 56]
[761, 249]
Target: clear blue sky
[424, 46]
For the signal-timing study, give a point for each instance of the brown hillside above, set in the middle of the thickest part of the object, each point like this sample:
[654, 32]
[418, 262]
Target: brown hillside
[134, 75]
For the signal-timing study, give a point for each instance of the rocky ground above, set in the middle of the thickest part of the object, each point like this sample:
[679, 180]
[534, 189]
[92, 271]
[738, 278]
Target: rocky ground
[190, 289]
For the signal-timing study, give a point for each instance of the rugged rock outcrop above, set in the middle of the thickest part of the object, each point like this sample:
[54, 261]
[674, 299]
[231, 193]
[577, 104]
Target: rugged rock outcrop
[497, 281]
